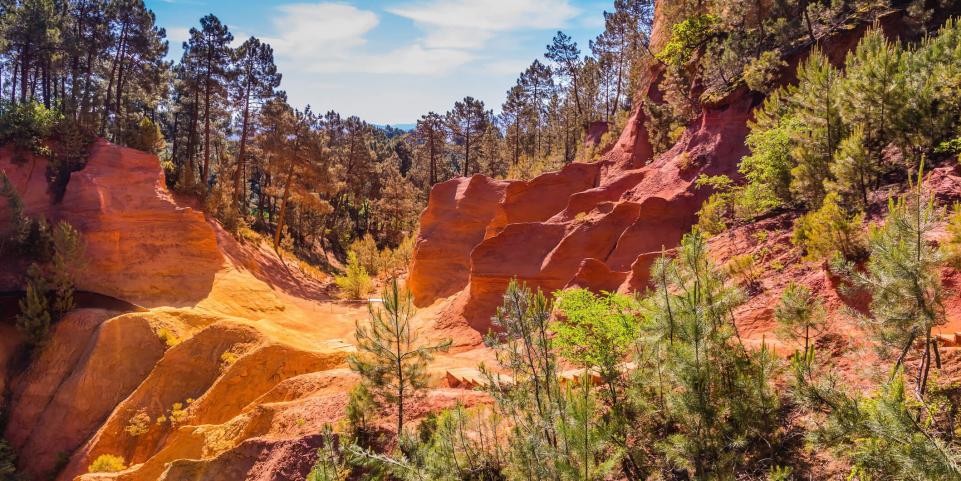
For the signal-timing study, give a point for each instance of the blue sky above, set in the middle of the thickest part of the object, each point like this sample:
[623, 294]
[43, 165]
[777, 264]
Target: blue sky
[391, 61]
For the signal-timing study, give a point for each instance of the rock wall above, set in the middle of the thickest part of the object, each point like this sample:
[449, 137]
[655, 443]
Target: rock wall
[140, 245]
[597, 225]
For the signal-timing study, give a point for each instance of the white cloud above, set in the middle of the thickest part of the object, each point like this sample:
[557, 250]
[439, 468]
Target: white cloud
[321, 31]
[469, 24]
[178, 35]
[330, 38]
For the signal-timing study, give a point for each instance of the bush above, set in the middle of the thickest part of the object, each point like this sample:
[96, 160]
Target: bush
[145, 135]
[761, 74]
[139, 424]
[107, 463]
[70, 152]
[355, 283]
[8, 462]
[743, 269]
[829, 231]
[368, 255]
[34, 318]
[27, 125]
[712, 218]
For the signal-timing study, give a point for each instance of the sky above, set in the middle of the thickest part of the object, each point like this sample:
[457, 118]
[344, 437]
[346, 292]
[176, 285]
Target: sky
[391, 61]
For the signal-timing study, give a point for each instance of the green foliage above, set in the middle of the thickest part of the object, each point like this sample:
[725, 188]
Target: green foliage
[874, 94]
[713, 215]
[355, 283]
[800, 315]
[904, 280]
[744, 270]
[768, 168]
[853, 169]
[19, 223]
[330, 464]
[71, 146]
[28, 125]
[368, 254]
[360, 409]
[716, 395]
[34, 318]
[49, 284]
[818, 130]
[107, 463]
[596, 332]
[847, 131]
[145, 135]
[952, 245]
[686, 37]
[555, 432]
[390, 358]
[460, 444]
[8, 462]
[829, 232]
[886, 435]
[761, 73]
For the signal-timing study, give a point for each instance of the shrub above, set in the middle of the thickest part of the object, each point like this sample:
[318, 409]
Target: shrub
[145, 135]
[107, 463]
[368, 255]
[355, 283]
[178, 413]
[168, 337]
[686, 37]
[27, 125]
[712, 218]
[34, 318]
[69, 154]
[743, 269]
[139, 424]
[8, 462]
[761, 73]
[18, 222]
[830, 231]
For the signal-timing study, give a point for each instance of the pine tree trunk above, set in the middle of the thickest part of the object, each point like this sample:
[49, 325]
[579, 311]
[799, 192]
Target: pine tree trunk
[283, 206]
[206, 169]
[241, 159]
[113, 73]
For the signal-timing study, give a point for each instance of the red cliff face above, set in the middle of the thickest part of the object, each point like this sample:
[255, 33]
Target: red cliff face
[140, 245]
[593, 225]
[598, 225]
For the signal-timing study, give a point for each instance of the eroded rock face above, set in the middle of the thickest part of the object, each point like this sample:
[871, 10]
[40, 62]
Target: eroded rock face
[140, 245]
[593, 225]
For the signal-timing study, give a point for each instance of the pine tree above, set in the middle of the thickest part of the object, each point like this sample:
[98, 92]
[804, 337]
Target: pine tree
[537, 85]
[800, 315]
[873, 95]
[819, 130]
[467, 121]
[512, 112]
[715, 393]
[138, 59]
[391, 359]
[208, 53]
[254, 82]
[564, 53]
[430, 134]
[34, 318]
[854, 170]
[903, 277]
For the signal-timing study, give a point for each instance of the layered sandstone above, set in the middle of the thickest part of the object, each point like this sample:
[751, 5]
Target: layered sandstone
[229, 371]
